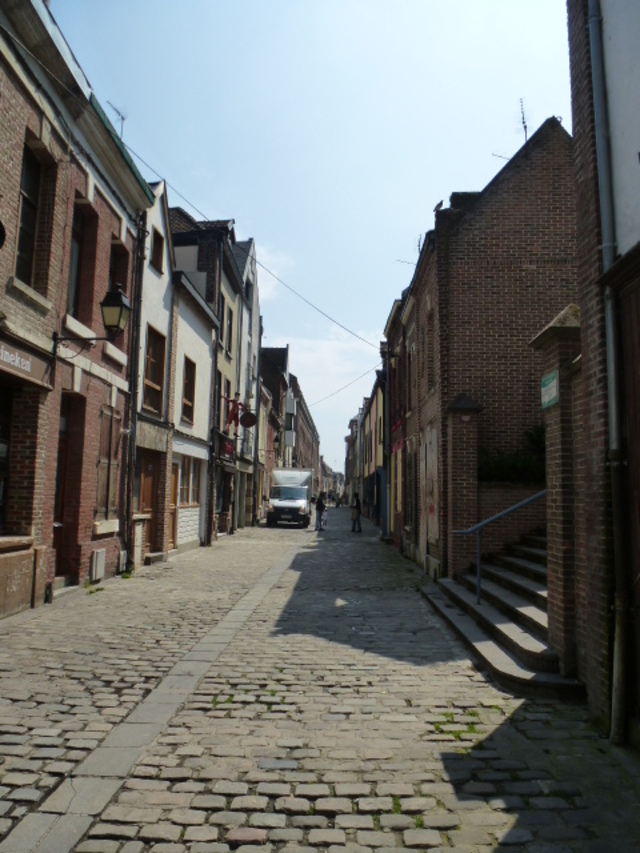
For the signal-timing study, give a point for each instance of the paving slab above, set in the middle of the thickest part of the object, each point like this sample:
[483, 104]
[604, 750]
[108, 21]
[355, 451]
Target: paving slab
[286, 690]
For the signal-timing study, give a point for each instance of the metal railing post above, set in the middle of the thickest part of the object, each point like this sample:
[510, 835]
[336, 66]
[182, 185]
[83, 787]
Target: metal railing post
[478, 528]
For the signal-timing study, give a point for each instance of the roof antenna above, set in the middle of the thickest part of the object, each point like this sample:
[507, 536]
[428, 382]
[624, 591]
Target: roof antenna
[122, 116]
[524, 123]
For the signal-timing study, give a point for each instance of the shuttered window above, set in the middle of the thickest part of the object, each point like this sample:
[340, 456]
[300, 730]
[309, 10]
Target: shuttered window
[108, 464]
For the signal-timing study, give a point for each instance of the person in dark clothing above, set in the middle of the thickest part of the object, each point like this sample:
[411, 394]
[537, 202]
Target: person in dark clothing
[356, 512]
[320, 505]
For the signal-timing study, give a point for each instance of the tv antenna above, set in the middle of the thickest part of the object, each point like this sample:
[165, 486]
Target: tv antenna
[121, 115]
[524, 123]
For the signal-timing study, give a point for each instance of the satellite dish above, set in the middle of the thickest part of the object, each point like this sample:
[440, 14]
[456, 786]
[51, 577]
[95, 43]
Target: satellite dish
[248, 419]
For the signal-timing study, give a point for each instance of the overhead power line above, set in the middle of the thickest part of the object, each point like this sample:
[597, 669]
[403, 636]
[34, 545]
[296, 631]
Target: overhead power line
[258, 262]
[203, 215]
[348, 385]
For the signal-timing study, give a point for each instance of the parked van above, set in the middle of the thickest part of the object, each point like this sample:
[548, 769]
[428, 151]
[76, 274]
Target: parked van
[290, 498]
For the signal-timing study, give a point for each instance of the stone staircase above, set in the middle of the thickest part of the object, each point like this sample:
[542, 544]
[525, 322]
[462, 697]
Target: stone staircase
[508, 630]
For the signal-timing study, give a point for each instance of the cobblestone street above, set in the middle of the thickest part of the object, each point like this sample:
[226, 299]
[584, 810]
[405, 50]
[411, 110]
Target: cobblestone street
[285, 689]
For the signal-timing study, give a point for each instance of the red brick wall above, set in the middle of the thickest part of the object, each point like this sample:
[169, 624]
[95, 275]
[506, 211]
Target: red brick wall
[35, 429]
[593, 542]
[495, 497]
[498, 267]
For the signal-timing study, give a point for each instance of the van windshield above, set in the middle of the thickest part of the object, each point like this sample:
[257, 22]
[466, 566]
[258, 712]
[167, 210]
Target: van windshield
[288, 493]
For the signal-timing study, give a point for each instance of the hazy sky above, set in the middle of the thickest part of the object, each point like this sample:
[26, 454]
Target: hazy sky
[329, 130]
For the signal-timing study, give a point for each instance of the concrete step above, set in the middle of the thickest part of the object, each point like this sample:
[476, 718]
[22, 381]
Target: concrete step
[529, 649]
[533, 590]
[526, 568]
[505, 668]
[63, 584]
[520, 610]
[535, 540]
[528, 552]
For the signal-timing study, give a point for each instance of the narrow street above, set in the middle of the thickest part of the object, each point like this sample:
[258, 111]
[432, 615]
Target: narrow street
[285, 689]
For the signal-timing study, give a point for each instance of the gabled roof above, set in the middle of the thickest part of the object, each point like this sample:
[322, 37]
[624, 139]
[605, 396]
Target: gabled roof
[241, 250]
[43, 49]
[183, 222]
[464, 202]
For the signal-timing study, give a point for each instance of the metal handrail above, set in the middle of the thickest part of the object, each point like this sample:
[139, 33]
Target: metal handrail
[479, 527]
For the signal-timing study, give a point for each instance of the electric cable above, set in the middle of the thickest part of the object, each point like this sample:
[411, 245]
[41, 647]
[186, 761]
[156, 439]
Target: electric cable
[259, 263]
[348, 385]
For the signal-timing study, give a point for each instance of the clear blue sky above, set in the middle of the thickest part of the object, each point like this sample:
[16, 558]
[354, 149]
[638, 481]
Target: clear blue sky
[329, 130]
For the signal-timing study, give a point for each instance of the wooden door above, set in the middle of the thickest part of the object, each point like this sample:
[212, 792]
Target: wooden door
[148, 496]
[173, 507]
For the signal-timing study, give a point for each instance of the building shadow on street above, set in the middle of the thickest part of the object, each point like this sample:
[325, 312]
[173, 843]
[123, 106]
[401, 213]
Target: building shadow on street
[355, 590]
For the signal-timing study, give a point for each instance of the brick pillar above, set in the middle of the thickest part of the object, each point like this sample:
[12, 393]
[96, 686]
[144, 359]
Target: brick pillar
[559, 344]
[462, 479]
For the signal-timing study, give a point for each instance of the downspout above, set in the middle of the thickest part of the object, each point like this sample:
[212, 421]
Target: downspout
[239, 474]
[386, 527]
[257, 433]
[616, 461]
[134, 366]
[214, 396]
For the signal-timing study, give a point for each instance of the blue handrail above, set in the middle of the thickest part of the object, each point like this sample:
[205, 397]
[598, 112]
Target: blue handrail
[479, 527]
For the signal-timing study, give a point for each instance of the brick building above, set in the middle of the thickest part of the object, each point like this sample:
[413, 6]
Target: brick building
[463, 383]
[307, 438]
[70, 207]
[594, 520]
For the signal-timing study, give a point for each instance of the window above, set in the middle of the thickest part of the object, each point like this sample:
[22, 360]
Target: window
[229, 329]
[188, 390]
[431, 351]
[225, 402]
[157, 250]
[29, 200]
[223, 310]
[185, 476]
[154, 371]
[80, 282]
[108, 464]
[410, 492]
[219, 401]
[195, 481]
[118, 266]
[190, 470]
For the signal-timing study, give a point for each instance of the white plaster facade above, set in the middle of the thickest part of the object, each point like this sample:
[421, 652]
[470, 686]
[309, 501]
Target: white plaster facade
[620, 29]
[195, 342]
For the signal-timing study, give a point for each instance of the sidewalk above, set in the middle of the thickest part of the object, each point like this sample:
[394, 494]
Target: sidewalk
[285, 689]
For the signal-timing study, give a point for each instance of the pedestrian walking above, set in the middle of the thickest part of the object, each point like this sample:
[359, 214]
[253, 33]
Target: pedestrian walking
[356, 512]
[320, 507]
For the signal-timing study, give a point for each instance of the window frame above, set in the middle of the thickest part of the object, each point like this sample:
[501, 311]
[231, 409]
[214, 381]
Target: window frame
[229, 333]
[108, 464]
[156, 254]
[154, 384]
[28, 218]
[188, 390]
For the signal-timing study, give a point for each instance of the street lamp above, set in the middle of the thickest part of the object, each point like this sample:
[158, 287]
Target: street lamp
[276, 444]
[116, 310]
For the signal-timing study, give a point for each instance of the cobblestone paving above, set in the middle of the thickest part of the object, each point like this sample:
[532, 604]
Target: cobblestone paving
[342, 716]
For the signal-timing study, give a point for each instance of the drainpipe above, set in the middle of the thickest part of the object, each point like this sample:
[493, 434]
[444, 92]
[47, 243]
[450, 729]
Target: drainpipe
[134, 362]
[387, 442]
[257, 432]
[617, 732]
